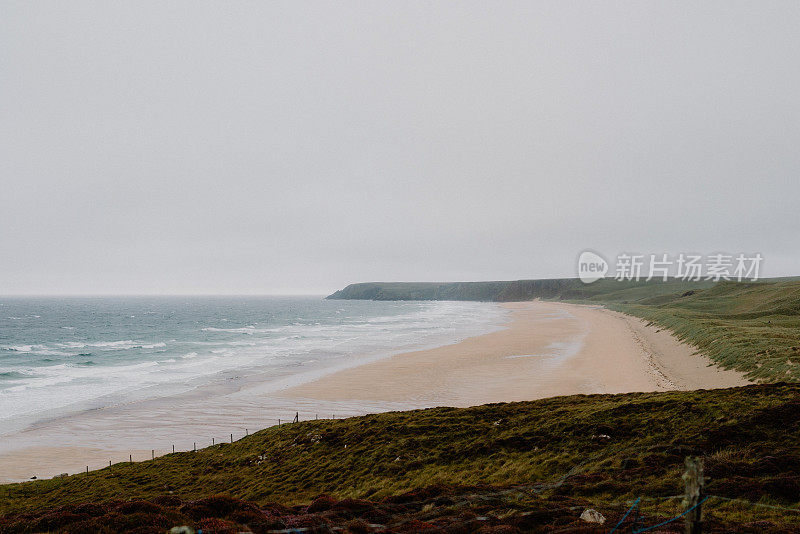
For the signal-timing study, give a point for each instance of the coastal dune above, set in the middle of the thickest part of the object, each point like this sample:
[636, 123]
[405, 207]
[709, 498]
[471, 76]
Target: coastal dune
[547, 349]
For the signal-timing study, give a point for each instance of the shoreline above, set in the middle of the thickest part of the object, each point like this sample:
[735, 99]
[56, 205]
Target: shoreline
[545, 349]
[548, 349]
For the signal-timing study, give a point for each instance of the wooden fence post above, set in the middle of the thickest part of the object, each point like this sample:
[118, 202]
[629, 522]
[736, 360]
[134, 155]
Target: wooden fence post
[693, 478]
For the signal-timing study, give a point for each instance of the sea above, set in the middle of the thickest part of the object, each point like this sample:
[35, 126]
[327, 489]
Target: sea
[65, 355]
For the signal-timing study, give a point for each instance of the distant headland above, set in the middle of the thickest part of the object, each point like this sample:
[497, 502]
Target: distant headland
[606, 289]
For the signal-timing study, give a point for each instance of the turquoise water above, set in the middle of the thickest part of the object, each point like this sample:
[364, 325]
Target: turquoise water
[68, 354]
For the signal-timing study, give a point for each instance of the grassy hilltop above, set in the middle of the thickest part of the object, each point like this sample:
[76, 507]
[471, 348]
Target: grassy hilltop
[527, 466]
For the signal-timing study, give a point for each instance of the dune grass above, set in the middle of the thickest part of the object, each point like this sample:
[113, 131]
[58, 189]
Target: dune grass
[751, 327]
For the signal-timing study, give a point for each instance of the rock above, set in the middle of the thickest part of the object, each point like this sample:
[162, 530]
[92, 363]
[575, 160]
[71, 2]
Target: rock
[593, 516]
[181, 530]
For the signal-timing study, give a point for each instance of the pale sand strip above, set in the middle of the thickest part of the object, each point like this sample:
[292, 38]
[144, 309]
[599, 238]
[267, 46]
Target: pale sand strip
[548, 349]
[47, 462]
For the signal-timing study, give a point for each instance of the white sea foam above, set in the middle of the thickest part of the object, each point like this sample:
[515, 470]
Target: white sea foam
[126, 344]
[18, 348]
[41, 350]
[77, 372]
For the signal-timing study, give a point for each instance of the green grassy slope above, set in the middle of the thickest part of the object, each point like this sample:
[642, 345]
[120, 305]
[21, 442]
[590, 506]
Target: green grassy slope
[749, 437]
[750, 327]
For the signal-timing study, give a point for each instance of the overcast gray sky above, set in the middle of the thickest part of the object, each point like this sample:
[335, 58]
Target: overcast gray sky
[295, 147]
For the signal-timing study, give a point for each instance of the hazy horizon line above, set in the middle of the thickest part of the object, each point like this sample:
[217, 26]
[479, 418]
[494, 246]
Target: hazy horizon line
[328, 292]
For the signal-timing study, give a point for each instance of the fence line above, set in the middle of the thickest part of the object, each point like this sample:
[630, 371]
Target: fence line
[296, 419]
[214, 442]
[668, 521]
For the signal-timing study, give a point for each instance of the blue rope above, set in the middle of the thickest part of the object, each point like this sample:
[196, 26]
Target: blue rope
[626, 515]
[671, 520]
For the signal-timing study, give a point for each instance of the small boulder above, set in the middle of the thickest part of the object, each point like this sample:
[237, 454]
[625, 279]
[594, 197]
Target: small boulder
[593, 516]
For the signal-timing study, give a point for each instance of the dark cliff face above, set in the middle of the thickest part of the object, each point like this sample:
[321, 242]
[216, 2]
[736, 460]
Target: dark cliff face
[607, 290]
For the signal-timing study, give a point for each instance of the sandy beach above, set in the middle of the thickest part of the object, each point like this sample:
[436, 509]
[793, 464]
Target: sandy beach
[546, 349]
